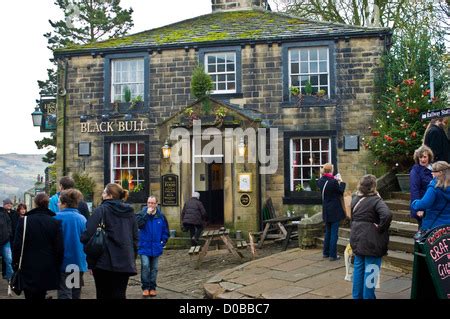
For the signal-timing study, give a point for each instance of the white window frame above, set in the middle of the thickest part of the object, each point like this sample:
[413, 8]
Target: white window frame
[301, 152]
[309, 73]
[225, 73]
[137, 87]
[136, 179]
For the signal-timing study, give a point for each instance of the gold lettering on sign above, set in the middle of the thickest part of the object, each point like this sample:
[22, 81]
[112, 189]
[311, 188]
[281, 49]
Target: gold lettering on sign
[106, 127]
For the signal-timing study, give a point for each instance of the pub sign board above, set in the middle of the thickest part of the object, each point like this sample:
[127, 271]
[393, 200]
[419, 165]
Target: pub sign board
[47, 106]
[437, 252]
[169, 190]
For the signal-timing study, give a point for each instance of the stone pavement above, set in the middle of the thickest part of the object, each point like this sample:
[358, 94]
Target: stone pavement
[177, 276]
[298, 274]
[295, 273]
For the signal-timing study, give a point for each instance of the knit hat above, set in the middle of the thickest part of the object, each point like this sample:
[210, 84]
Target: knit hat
[7, 201]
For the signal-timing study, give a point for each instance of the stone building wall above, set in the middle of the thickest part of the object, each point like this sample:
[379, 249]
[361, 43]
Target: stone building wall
[357, 62]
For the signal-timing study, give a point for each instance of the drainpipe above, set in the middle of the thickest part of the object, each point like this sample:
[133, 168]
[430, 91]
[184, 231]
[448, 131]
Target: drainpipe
[64, 117]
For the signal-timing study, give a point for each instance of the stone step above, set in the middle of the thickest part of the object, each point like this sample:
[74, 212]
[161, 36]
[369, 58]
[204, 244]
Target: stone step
[395, 242]
[401, 195]
[404, 229]
[397, 204]
[396, 260]
[398, 228]
[403, 216]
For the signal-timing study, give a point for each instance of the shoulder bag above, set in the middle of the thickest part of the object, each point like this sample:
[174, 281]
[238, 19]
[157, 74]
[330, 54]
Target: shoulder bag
[16, 282]
[96, 246]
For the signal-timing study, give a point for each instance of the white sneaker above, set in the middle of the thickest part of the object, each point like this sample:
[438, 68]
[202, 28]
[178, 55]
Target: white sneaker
[9, 291]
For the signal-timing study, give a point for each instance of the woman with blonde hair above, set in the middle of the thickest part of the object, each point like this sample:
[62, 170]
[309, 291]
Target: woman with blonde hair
[332, 189]
[419, 177]
[117, 263]
[436, 201]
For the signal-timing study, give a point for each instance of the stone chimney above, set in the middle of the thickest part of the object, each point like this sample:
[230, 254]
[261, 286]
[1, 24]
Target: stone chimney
[225, 5]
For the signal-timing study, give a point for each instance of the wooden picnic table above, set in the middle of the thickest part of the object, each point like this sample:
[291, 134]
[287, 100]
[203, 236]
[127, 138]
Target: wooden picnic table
[218, 235]
[280, 224]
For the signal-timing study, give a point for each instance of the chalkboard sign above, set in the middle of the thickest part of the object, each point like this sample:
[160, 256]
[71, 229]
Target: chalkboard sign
[169, 190]
[437, 251]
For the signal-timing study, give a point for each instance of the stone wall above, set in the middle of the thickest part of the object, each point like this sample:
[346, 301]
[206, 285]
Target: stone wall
[357, 62]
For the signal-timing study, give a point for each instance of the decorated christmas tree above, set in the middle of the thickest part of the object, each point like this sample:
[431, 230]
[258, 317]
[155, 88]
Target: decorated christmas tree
[398, 130]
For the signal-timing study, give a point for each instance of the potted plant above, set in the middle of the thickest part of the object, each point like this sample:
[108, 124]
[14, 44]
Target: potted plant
[85, 184]
[136, 102]
[201, 86]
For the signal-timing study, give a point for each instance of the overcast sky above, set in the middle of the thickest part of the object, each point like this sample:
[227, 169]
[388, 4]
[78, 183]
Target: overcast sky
[24, 57]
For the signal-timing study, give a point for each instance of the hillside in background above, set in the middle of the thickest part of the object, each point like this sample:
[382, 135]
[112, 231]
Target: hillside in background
[18, 173]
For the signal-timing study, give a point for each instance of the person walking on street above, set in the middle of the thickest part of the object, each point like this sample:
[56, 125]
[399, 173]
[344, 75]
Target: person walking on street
[436, 139]
[43, 250]
[8, 222]
[419, 177]
[65, 183]
[153, 235]
[436, 201]
[332, 189]
[193, 217]
[74, 263]
[369, 237]
[113, 268]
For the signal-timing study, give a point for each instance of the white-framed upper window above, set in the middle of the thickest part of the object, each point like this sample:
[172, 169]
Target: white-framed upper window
[128, 164]
[310, 64]
[307, 156]
[127, 73]
[221, 66]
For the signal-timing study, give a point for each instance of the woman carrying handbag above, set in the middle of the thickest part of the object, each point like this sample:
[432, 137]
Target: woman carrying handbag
[43, 250]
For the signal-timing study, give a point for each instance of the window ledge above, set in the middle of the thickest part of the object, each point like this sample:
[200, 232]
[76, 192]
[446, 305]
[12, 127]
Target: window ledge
[309, 101]
[227, 96]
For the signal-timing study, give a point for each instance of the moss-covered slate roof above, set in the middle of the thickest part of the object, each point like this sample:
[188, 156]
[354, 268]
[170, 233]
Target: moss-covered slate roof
[228, 26]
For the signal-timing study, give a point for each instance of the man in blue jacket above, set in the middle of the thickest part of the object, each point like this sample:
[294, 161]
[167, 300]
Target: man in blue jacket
[153, 235]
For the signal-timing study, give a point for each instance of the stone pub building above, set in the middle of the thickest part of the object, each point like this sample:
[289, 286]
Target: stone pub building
[120, 101]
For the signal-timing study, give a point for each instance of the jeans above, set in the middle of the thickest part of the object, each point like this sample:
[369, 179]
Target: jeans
[331, 237]
[365, 275]
[149, 272]
[7, 257]
[73, 292]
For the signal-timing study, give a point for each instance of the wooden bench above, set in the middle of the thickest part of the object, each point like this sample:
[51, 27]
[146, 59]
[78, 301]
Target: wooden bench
[241, 244]
[194, 250]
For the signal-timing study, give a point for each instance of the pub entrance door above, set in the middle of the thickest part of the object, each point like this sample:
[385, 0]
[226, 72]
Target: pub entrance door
[208, 180]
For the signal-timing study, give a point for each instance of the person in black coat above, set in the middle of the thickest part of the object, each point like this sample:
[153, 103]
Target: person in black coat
[193, 217]
[436, 139]
[332, 211]
[43, 251]
[114, 267]
[369, 237]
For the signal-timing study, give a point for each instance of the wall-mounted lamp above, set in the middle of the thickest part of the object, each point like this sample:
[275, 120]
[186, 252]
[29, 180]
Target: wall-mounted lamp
[241, 147]
[105, 117]
[166, 149]
[128, 117]
[37, 116]
[83, 118]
